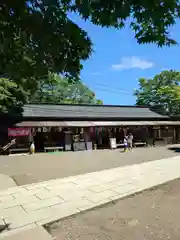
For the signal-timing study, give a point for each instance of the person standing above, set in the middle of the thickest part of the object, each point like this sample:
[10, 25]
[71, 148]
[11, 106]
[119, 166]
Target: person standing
[125, 144]
[130, 141]
[32, 148]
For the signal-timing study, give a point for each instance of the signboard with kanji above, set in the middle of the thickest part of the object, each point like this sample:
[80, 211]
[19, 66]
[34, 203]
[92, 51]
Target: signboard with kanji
[19, 132]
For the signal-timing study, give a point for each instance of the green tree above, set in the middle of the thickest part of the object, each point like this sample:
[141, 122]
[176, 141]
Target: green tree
[12, 96]
[56, 89]
[38, 36]
[52, 89]
[162, 93]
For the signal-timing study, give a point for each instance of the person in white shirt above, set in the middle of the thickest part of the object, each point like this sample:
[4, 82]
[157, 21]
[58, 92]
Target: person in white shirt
[32, 148]
[125, 144]
[130, 141]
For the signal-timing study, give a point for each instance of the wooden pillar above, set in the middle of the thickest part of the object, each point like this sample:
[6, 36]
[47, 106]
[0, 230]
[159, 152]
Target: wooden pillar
[174, 135]
[159, 132]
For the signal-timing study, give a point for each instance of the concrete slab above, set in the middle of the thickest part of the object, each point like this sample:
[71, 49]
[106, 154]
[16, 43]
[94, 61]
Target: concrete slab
[6, 182]
[48, 201]
[25, 169]
[29, 233]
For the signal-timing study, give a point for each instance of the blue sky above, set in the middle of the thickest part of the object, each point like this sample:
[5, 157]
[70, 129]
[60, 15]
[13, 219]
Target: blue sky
[117, 63]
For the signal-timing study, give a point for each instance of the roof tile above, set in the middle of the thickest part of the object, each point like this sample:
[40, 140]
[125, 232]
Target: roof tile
[88, 111]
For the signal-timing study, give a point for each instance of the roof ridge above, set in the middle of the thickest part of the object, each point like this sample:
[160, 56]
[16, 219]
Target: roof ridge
[93, 111]
[86, 105]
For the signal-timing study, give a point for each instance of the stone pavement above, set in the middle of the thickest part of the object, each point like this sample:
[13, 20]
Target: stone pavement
[45, 166]
[30, 232]
[6, 182]
[45, 202]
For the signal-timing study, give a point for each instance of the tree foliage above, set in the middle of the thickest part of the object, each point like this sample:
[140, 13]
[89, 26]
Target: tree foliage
[162, 93]
[37, 36]
[149, 19]
[12, 96]
[53, 89]
[56, 89]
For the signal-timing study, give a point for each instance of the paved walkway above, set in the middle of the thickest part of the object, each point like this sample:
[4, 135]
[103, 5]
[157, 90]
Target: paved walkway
[6, 182]
[27, 233]
[25, 170]
[45, 202]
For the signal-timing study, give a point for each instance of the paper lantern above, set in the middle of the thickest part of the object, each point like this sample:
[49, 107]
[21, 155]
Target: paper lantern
[100, 129]
[44, 129]
[91, 130]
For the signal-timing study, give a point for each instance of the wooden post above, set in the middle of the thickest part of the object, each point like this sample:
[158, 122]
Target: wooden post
[174, 135]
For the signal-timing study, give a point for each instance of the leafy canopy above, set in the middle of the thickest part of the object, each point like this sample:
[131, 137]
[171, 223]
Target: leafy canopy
[56, 89]
[38, 36]
[12, 96]
[162, 93]
[52, 89]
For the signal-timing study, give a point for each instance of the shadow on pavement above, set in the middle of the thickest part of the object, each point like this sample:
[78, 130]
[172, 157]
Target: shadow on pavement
[175, 149]
[4, 227]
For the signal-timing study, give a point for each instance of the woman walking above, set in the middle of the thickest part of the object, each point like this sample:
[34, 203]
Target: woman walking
[130, 141]
[125, 144]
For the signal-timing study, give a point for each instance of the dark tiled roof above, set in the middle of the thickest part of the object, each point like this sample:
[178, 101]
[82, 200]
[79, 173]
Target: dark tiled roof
[88, 111]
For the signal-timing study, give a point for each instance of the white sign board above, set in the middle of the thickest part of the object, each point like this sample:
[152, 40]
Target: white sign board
[112, 143]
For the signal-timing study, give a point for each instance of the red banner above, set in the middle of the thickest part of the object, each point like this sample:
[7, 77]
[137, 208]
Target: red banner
[19, 131]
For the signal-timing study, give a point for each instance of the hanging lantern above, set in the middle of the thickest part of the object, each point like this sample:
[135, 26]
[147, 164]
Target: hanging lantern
[44, 129]
[109, 129]
[96, 130]
[91, 130]
[39, 130]
[100, 129]
[33, 132]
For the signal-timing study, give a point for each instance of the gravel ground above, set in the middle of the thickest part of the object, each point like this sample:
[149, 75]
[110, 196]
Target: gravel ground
[41, 167]
[151, 215]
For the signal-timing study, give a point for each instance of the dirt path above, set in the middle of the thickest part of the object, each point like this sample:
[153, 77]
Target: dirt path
[153, 214]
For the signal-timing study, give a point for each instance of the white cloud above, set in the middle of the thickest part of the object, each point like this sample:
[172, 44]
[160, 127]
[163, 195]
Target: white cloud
[95, 73]
[132, 62]
[165, 69]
